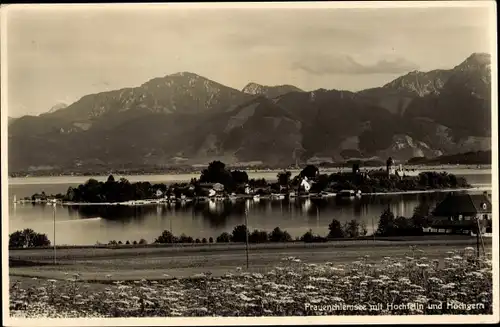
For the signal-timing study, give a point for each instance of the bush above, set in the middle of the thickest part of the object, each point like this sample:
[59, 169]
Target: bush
[197, 240]
[420, 216]
[258, 237]
[284, 178]
[278, 235]
[224, 238]
[128, 242]
[351, 229]
[335, 229]
[27, 238]
[321, 183]
[185, 239]
[204, 240]
[405, 227]
[309, 237]
[143, 241]
[165, 237]
[239, 234]
[239, 177]
[400, 226]
[310, 171]
[216, 172]
[210, 240]
[135, 242]
[386, 224]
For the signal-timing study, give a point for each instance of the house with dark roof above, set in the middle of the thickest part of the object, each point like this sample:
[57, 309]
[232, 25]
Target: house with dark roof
[461, 213]
[213, 189]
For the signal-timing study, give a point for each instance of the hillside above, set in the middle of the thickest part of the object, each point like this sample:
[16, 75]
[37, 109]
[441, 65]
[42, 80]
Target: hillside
[186, 118]
[467, 158]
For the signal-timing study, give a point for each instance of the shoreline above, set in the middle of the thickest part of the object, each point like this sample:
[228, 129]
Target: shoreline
[249, 197]
[366, 241]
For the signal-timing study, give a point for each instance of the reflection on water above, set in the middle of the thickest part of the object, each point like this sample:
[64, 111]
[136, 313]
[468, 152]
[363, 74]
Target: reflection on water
[78, 224]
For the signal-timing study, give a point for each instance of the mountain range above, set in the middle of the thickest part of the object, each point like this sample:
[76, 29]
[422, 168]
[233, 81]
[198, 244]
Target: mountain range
[186, 118]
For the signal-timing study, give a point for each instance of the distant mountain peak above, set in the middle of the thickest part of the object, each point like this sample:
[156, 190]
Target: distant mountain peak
[57, 107]
[187, 74]
[415, 73]
[420, 83]
[269, 91]
[251, 87]
[479, 56]
[431, 82]
[477, 60]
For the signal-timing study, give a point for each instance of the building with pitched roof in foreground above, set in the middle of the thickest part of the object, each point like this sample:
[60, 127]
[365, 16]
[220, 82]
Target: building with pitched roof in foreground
[461, 213]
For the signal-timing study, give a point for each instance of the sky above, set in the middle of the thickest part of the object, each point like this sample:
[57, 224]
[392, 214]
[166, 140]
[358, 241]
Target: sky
[59, 54]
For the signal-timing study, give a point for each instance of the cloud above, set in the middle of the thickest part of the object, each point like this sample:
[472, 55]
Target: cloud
[330, 65]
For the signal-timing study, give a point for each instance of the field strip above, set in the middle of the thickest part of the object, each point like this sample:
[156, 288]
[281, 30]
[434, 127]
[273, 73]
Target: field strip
[154, 266]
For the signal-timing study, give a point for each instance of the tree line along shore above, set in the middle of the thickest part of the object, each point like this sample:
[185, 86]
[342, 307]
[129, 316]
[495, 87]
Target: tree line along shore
[218, 182]
[388, 225]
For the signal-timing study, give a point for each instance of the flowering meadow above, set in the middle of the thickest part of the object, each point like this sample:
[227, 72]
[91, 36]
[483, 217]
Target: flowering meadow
[459, 284]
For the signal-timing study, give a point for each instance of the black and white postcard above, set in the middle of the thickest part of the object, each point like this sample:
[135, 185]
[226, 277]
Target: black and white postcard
[238, 163]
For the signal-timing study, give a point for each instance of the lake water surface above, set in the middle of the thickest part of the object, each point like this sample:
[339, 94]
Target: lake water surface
[86, 225]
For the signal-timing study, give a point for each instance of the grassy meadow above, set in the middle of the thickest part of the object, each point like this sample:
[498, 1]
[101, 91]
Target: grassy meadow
[405, 285]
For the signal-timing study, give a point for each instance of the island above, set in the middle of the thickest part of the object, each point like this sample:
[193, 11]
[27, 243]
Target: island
[220, 183]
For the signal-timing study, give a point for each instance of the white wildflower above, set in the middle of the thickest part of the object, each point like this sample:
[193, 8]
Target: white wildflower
[422, 265]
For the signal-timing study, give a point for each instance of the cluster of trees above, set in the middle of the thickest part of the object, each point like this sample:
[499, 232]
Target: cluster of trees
[43, 197]
[216, 172]
[389, 225]
[351, 229]
[113, 191]
[141, 242]
[27, 238]
[238, 235]
[167, 237]
[384, 183]
[234, 182]
[122, 190]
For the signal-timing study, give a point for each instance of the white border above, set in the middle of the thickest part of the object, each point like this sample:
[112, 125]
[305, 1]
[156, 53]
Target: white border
[204, 321]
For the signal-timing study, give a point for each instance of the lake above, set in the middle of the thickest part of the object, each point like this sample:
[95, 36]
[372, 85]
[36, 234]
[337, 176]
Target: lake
[87, 225]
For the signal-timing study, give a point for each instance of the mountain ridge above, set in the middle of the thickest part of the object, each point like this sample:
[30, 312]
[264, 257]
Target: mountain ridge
[185, 116]
[269, 91]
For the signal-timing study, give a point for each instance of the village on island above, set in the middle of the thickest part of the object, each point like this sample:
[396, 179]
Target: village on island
[458, 213]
